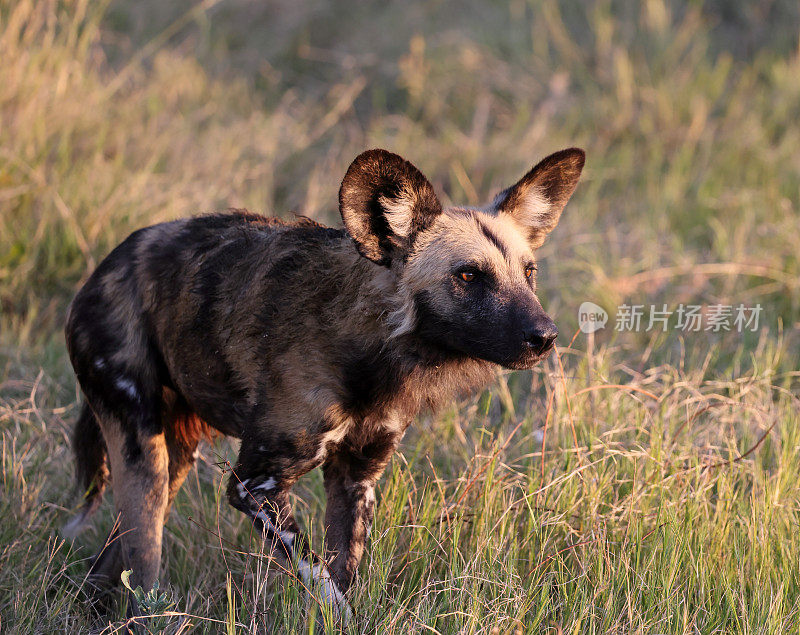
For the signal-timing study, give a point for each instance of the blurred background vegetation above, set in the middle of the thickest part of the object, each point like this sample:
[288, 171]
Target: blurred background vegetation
[146, 111]
[116, 115]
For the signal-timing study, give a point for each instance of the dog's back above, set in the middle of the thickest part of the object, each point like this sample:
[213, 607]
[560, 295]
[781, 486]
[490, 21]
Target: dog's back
[203, 306]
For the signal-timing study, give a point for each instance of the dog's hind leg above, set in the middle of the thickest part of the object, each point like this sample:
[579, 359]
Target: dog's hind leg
[139, 466]
[181, 460]
[140, 487]
[118, 367]
[183, 430]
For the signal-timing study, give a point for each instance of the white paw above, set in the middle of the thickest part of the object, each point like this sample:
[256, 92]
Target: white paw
[324, 588]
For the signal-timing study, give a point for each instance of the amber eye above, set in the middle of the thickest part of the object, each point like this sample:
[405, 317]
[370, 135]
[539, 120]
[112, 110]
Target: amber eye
[529, 271]
[467, 276]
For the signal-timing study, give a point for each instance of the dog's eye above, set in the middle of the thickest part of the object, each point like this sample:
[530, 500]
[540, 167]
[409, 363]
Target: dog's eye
[529, 271]
[467, 276]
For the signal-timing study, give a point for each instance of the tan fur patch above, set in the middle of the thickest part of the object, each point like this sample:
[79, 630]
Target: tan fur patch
[141, 499]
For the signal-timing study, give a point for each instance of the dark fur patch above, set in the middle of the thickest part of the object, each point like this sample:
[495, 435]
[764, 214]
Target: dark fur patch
[370, 376]
[493, 238]
[366, 460]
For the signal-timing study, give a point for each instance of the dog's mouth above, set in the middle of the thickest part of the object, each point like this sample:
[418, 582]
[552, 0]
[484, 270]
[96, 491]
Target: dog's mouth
[528, 359]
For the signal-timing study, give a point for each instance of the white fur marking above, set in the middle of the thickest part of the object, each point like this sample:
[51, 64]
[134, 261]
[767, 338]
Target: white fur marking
[403, 319]
[369, 501]
[331, 595]
[128, 386]
[242, 489]
[398, 212]
[266, 485]
[287, 537]
[334, 436]
[267, 521]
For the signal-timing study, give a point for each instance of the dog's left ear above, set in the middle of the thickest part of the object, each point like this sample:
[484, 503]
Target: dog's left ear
[535, 202]
[385, 201]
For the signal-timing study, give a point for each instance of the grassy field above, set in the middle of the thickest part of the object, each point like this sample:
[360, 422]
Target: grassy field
[637, 482]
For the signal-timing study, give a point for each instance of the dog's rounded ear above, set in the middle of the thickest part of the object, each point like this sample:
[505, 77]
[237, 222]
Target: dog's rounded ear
[385, 201]
[536, 201]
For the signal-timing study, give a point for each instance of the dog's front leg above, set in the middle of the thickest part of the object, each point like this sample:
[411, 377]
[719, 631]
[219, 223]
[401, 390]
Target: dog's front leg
[263, 494]
[350, 477]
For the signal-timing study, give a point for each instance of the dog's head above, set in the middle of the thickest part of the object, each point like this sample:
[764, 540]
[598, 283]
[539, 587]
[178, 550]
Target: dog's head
[467, 276]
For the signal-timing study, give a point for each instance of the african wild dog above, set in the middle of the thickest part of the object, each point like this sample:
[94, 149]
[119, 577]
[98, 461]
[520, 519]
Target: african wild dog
[315, 346]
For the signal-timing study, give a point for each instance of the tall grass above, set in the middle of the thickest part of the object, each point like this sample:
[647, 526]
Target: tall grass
[638, 483]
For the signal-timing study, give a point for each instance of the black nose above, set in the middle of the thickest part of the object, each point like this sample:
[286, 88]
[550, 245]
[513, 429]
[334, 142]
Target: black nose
[540, 336]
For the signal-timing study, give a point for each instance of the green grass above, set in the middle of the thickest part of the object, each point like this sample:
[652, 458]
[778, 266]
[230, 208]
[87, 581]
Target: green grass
[667, 497]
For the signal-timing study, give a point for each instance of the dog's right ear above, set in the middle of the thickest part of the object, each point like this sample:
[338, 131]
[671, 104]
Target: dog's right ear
[385, 201]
